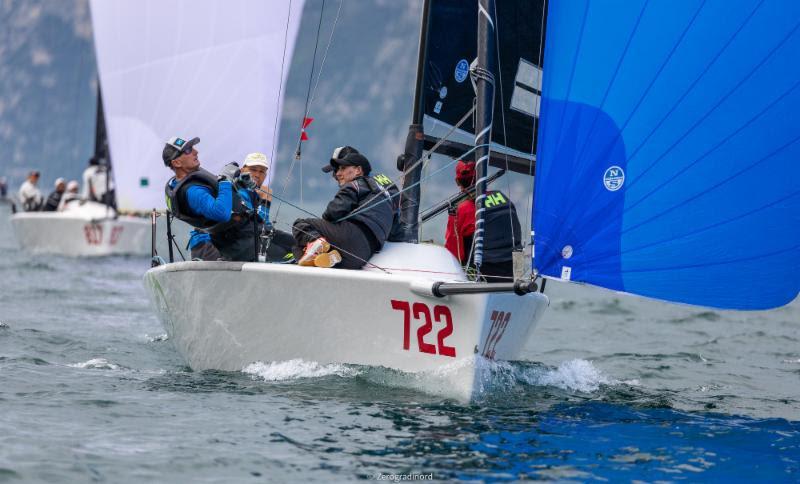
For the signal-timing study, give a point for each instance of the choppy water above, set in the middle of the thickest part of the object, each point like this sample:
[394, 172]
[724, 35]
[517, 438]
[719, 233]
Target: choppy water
[615, 388]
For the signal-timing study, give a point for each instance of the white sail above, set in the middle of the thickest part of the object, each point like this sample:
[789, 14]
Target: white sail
[189, 68]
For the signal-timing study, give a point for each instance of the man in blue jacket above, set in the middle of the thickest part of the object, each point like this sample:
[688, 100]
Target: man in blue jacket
[211, 203]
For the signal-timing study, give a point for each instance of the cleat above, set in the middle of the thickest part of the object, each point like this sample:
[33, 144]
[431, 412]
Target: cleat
[328, 259]
[313, 249]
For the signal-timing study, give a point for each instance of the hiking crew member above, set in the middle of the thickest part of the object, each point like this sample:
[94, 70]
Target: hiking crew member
[210, 202]
[54, 199]
[502, 234]
[358, 220]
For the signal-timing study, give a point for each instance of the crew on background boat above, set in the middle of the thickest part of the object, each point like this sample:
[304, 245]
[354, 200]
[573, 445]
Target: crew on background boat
[97, 186]
[211, 203]
[502, 234]
[70, 196]
[3, 187]
[29, 195]
[51, 204]
[357, 221]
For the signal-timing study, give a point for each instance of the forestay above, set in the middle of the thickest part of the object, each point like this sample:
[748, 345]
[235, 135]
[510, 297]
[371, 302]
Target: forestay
[177, 68]
[448, 93]
[669, 150]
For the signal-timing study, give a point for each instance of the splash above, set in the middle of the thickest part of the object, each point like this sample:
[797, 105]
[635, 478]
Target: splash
[575, 375]
[296, 369]
[157, 338]
[97, 364]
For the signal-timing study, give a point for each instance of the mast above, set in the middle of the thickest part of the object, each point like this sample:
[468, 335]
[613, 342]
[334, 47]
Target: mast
[483, 73]
[415, 140]
[101, 151]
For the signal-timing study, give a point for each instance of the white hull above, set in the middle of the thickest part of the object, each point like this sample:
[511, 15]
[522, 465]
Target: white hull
[226, 315]
[81, 233]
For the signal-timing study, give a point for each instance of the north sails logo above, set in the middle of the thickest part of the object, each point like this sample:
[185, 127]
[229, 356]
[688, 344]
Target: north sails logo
[614, 178]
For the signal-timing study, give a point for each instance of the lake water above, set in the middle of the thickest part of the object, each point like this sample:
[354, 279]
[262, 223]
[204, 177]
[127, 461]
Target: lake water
[614, 388]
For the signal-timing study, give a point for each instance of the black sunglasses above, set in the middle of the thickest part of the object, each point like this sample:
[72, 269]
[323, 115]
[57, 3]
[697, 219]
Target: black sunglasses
[183, 151]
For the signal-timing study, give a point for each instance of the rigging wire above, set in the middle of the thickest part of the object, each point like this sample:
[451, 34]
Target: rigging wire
[280, 87]
[368, 206]
[503, 117]
[310, 94]
[529, 238]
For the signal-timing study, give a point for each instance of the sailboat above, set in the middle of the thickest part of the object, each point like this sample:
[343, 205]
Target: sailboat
[654, 122]
[85, 228]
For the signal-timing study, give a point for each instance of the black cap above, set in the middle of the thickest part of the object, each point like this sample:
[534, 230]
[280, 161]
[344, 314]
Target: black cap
[174, 147]
[338, 154]
[353, 159]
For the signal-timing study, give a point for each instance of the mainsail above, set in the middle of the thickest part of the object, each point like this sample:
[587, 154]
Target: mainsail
[669, 150]
[202, 68]
[448, 93]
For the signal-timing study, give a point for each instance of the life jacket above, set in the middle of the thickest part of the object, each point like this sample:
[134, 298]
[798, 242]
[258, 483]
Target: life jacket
[177, 202]
[396, 233]
[382, 212]
[500, 236]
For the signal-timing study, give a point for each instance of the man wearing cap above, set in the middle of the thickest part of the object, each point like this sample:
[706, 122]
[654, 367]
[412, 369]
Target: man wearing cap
[356, 222]
[51, 205]
[502, 234]
[209, 202]
[29, 195]
[280, 243]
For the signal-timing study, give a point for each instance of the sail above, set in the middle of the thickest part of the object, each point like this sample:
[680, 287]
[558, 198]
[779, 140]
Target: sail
[448, 93]
[177, 68]
[669, 150]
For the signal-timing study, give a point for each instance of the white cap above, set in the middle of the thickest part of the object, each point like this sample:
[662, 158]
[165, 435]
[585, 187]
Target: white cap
[255, 159]
[72, 185]
[59, 181]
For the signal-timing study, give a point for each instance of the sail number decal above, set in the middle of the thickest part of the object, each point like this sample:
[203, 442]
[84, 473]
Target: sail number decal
[115, 234]
[423, 315]
[94, 234]
[500, 320]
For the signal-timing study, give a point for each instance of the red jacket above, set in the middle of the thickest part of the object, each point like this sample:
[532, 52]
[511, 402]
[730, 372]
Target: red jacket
[460, 225]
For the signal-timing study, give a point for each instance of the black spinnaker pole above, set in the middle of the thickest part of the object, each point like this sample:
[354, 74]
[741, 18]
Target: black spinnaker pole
[409, 200]
[483, 73]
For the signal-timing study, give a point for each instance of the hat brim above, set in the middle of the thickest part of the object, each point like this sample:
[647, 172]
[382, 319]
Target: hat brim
[192, 142]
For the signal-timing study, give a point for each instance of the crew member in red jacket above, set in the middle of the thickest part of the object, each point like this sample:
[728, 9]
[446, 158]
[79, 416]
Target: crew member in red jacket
[502, 234]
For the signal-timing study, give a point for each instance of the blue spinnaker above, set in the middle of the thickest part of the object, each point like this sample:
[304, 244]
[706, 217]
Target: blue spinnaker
[668, 160]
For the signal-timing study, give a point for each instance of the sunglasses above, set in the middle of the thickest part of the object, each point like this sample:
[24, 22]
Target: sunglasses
[185, 150]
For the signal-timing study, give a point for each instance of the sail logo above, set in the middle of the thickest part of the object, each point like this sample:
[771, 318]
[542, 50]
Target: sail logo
[614, 178]
[462, 70]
